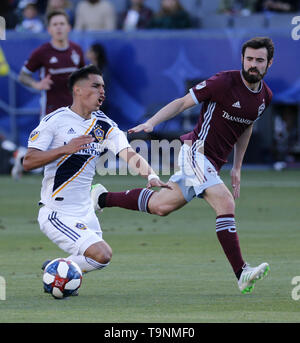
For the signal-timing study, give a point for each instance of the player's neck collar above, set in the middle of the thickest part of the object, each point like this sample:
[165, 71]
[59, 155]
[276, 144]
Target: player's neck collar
[77, 115]
[58, 48]
[251, 90]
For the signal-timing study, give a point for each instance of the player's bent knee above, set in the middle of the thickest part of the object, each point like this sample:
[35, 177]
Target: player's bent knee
[104, 256]
[228, 205]
[160, 210]
[101, 253]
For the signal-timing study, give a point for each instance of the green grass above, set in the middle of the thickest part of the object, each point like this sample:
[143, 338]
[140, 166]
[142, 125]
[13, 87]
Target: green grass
[164, 270]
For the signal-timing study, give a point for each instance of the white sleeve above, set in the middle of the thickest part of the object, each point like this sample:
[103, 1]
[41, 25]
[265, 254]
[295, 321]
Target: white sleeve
[41, 137]
[116, 140]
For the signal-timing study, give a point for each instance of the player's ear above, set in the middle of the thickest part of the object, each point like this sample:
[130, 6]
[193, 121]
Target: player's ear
[270, 63]
[76, 90]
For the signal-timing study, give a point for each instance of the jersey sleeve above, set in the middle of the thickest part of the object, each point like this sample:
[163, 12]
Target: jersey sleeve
[207, 89]
[34, 62]
[41, 137]
[116, 140]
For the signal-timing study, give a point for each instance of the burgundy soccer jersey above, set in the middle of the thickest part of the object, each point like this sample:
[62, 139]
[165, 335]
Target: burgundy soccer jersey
[59, 64]
[229, 107]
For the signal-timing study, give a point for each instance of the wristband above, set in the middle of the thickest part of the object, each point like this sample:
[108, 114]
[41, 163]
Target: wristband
[152, 176]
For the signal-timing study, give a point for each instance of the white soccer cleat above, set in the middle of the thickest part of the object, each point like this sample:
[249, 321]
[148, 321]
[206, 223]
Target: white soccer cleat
[250, 275]
[96, 191]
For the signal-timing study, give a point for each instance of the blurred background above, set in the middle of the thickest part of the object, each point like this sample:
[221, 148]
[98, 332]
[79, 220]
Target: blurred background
[154, 56]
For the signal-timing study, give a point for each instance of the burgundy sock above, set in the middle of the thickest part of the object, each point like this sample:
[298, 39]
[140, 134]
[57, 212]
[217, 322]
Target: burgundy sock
[134, 199]
[229, 240]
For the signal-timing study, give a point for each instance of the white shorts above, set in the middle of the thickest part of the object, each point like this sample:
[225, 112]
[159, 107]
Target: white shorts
[71, 234]
[196, 173]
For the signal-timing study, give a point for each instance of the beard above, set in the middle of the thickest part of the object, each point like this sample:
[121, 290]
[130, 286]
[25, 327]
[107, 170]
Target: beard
[253, 78]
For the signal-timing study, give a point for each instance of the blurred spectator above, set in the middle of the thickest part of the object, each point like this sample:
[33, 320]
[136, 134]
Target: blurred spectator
[239, 7]
[93, 15]
[283, 6]
[65, 5]
[171, 16]
[7, 150]
[7, 11]
[96, 55]
[30, 22]
[137, 16]
[285, 133]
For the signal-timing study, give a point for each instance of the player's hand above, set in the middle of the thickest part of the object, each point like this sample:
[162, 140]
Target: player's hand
[235, 182]
[77, 144]
[45, 83]
[158, 183]
[142, 127]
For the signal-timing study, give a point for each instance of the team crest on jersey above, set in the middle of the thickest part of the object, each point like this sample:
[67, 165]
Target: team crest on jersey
[75, 57]
[34, 135]
[99, 134]
[80, 226]
[261, 108]
[201, 85]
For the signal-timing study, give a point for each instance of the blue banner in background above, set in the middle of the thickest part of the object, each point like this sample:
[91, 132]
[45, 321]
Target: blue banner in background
[147, 69]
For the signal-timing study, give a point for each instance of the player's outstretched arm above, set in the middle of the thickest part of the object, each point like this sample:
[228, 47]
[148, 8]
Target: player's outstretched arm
[167, 112]
[140, 166]
[36, 158]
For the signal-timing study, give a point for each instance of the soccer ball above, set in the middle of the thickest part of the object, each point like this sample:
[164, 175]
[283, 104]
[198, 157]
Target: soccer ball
[62, 278]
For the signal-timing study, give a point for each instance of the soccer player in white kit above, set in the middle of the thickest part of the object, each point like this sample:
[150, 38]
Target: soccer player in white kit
[69, 142]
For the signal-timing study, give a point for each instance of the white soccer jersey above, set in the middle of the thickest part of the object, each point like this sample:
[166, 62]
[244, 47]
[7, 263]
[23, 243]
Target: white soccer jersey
[67, 181]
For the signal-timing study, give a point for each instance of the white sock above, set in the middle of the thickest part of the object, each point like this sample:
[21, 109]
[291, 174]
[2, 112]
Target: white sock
[86, 264]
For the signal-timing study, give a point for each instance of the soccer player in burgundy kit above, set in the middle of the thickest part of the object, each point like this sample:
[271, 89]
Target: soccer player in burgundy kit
[232, 102]
[55, 60]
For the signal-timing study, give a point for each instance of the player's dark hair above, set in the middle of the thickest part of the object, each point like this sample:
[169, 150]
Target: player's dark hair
[82, 74]
[260, 42]
[54, 13]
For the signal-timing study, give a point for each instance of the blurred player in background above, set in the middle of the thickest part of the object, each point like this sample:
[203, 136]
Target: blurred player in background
[55, 60]
[69, 142]
[232, 102]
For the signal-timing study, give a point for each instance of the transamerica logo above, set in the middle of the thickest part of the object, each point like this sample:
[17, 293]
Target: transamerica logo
[227, 116]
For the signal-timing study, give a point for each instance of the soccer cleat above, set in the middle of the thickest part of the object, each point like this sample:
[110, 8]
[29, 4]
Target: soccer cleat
[250, 275]
[44, 265]
[96, 191]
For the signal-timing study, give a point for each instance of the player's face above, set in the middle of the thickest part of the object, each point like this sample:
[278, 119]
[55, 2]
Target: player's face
[255, 64]
[59, 28]
[92, 93]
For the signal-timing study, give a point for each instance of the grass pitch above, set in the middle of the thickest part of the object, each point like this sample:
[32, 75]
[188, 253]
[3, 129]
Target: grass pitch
[164, 270]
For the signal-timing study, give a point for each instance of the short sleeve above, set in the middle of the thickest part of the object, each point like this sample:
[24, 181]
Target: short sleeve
[208, 89]
[41, 137]
[34, 62]
[116, 140]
